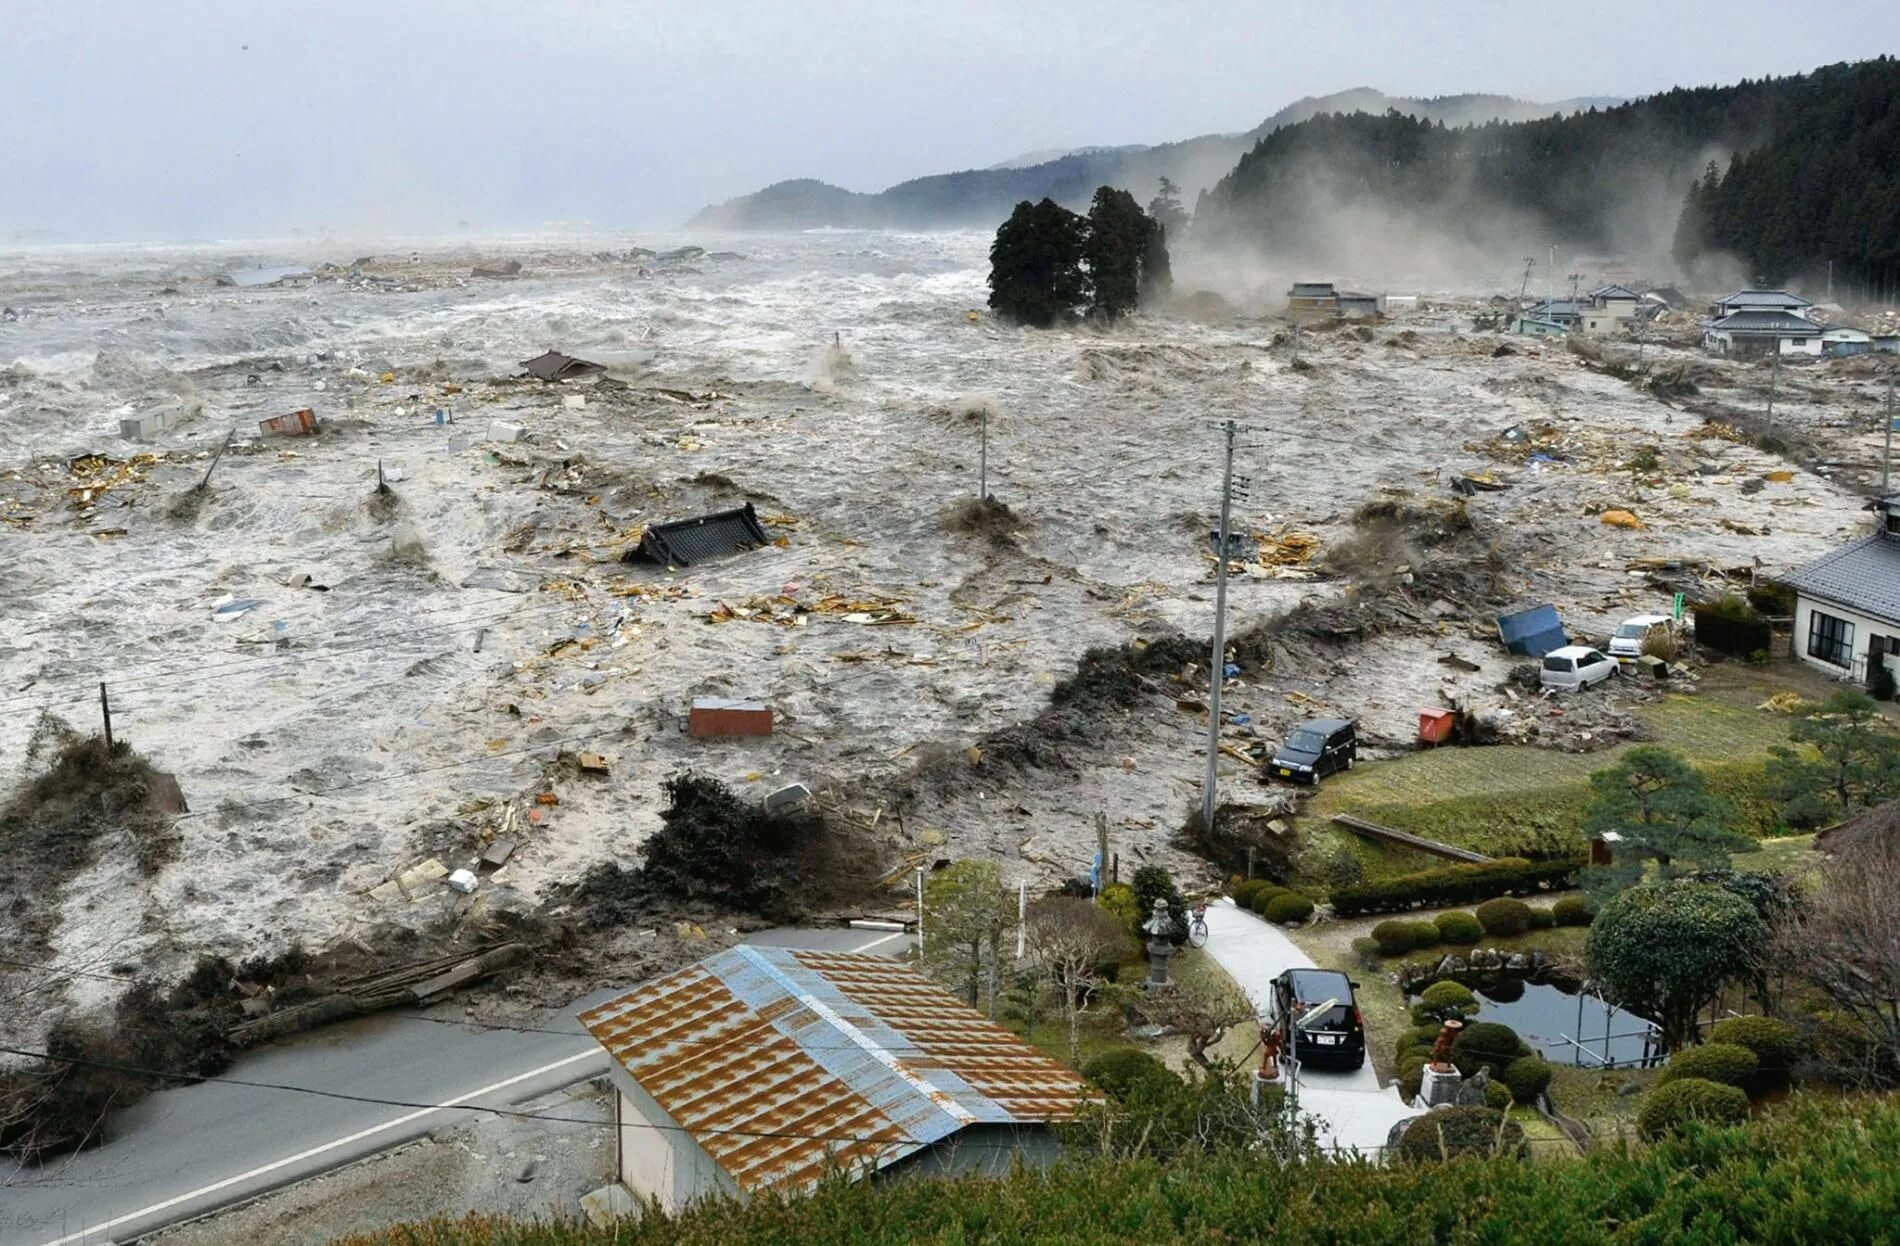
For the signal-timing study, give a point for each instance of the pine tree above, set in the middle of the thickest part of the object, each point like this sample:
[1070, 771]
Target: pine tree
[1166, 208]
[1117, 230]
[1157, 272]
[1036, 264]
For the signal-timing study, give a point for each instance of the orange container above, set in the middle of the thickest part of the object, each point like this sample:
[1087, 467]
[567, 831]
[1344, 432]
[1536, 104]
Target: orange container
[1434, 726]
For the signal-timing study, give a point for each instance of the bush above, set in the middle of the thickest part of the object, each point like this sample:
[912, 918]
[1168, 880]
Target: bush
[1265, 896]
[1497, 1095]
[1288, 907]
[1443, 1001]
[1504, 916]
[1424, 934]
[1572, 911]
[1727, 1063]
[1673, 1105]
[1154, 883]
[1461, 1131]
[1772, 1041]
[1244, 892]
[1542, 919]
[1367, 950]
[1118, 900]
[1410, 1071]
[1125, 1073]
[1394, 938]
[1527, 1077]
[1487, 1044]
[1456, 884]
[1458, 927]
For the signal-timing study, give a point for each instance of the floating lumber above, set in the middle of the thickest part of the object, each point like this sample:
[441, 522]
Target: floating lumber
[1374, 831]
[355, 997]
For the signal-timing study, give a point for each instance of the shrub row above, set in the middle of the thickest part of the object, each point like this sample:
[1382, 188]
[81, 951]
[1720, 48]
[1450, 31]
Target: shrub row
[1457, 884]
[1270, 900]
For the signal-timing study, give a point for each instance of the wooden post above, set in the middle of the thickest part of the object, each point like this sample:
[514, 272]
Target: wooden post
[105, 711]
[1101, 851]
[206, 482]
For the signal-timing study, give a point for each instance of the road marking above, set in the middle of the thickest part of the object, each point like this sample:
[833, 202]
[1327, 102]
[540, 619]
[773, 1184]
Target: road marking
[873, 943]
[596, 1053]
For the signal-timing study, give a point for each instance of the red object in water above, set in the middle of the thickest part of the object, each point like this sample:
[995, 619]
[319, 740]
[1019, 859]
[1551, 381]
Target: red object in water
[296, 424]
[1434, 726]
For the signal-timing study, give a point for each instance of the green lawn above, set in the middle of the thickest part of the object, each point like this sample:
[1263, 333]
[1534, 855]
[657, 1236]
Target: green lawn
[1518, 799]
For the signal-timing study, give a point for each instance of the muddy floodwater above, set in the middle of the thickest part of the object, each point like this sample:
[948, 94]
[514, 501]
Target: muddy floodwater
[361, 690]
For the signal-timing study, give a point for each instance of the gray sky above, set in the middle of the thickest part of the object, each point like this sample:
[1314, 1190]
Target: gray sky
[177, 119]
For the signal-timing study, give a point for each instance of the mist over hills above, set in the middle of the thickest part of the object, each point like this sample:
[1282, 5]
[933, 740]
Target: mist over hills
[980, 198]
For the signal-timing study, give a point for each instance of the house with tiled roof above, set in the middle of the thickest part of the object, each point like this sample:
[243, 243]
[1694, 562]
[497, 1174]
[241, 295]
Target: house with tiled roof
[766, 1068]
[1847, 602]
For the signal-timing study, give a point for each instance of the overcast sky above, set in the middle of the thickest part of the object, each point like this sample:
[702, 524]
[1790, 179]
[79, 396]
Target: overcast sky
[187, 119]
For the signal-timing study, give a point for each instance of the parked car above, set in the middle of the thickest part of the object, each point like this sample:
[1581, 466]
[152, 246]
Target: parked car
[1575, 667]
[1626, 644]
[1316, 748]
[1334, 1038]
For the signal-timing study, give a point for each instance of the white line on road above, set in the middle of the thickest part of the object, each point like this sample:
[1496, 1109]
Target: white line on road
[873, 943]
[594, 1053]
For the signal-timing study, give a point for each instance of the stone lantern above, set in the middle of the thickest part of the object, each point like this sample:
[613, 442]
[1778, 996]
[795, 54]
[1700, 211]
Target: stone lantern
[1160, 931]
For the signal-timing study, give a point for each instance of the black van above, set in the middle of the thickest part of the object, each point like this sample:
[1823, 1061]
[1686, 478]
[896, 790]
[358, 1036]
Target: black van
[1316, 748]
[1335, 1038]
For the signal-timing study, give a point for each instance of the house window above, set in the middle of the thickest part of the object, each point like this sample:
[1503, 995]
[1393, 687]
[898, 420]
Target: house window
[1830, 639]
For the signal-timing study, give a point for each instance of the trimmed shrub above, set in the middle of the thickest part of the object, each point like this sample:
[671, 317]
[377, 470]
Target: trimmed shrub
[1288, 907]
[1243, 892]
[1265, 896]
[1424, 934]
[1504, 916]
[1542, 919]
[1367, 950]
[1394, 938]
[1487, 1044]
[1572, 911]
[1727, 1063]
[1427, 1035]
[1118, 900]
[1126, 1073]
[1773, 1041]
[1456, 884]
[1672, 1105]
[1461, 1131]
[1497, 1095]
[1458, 927]
[1442, 1001]
[1410, 1070]
[1527, 1077]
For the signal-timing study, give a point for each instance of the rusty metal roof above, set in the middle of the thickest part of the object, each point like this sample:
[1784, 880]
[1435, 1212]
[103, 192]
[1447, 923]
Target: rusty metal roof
[785, 1065]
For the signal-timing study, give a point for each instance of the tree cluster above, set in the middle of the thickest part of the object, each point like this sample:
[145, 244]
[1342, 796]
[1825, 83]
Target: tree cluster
[1047, 263]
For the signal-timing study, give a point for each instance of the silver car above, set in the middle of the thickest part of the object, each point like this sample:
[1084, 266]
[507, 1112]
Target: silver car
[1574, 667]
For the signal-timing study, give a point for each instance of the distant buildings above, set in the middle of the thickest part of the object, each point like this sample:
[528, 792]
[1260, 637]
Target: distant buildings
[1314, 299]
[1606, 309]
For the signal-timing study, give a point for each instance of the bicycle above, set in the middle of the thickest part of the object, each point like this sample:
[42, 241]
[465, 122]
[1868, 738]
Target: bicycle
[1197, 927]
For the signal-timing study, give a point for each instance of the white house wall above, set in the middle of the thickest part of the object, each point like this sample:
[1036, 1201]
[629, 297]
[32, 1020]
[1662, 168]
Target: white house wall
[663, 1164]
[1865, 625]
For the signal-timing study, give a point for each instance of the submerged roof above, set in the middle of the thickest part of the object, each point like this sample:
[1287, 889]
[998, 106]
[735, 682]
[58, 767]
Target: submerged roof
[784, 1065]
[1777, 322]
[554, 366]
[684, 542]
[1311, 290]
[1863, 575]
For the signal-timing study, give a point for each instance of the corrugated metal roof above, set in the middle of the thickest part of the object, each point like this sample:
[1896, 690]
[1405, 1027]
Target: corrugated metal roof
[684, 542]
[1863, 576]
[554, 366]
[785, 1065]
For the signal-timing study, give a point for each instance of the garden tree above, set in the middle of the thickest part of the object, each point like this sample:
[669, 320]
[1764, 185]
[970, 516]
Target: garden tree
[1155, 1113]
[1075, 943]
[1036, 264]
[1166, 208]
[1201, 1009]
[965, 914]
[1845, 940]
[1663, 811]
[1664, 949]
[1855, 761]
[1117, 236]
[1152, 883]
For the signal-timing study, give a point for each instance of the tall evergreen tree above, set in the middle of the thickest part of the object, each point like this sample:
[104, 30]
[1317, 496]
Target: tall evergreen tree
[1036, 264]
[1117, 234]
[1166, 208]
[1157, 272]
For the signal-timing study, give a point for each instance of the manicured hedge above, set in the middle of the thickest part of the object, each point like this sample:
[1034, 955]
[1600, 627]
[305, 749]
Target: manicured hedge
[1487, 1044]
[1672, 1105]
[1773, 1041]
[1461, 1131]
[1459, 927]
[1527, 1077]
[1288, 907]
[1572, 911]
[1715, 1062]
[1395, 938]
[1456, 884]
[1504, 916]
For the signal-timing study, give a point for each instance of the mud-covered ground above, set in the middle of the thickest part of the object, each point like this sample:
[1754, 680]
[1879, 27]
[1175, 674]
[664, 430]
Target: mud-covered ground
[478, 624]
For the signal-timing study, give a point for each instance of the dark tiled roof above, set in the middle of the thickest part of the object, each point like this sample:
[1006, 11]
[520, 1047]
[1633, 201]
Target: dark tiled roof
[1614, 292]
[554, 366]
[1777, 322]
[687, 541]
[1863, 575]
[1311, 290]
[1764, 298]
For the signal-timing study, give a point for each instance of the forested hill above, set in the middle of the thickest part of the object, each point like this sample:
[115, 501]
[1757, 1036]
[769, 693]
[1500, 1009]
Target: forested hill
[981, 198]
[1813, 169]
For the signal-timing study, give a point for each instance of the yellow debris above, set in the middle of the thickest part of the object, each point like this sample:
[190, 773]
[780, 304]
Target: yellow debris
[1778, 477]
[1781, 703]
[389, 378]
[1621, 519]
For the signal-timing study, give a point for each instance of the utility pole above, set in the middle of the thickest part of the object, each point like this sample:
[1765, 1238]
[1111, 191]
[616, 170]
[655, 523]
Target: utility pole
[1886, 450]
[105, 711]
[1830, 281]
[920, 910]
[1550, 278]
[1522, 286]
[1774, 375]
[983, 460]
[1220, 631]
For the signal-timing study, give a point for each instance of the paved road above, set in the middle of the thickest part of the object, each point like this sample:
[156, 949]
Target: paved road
[1352, 1110]
[184, 1152]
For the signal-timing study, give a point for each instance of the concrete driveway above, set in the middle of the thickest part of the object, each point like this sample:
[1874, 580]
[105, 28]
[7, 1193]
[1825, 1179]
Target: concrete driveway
[1352, 1111]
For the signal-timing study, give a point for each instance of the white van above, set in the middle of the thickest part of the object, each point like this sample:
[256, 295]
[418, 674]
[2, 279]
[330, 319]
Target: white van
[1626, 643]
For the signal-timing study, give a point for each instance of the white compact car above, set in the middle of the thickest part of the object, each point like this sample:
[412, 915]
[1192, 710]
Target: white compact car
[1626, 645]
[1574, 667]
